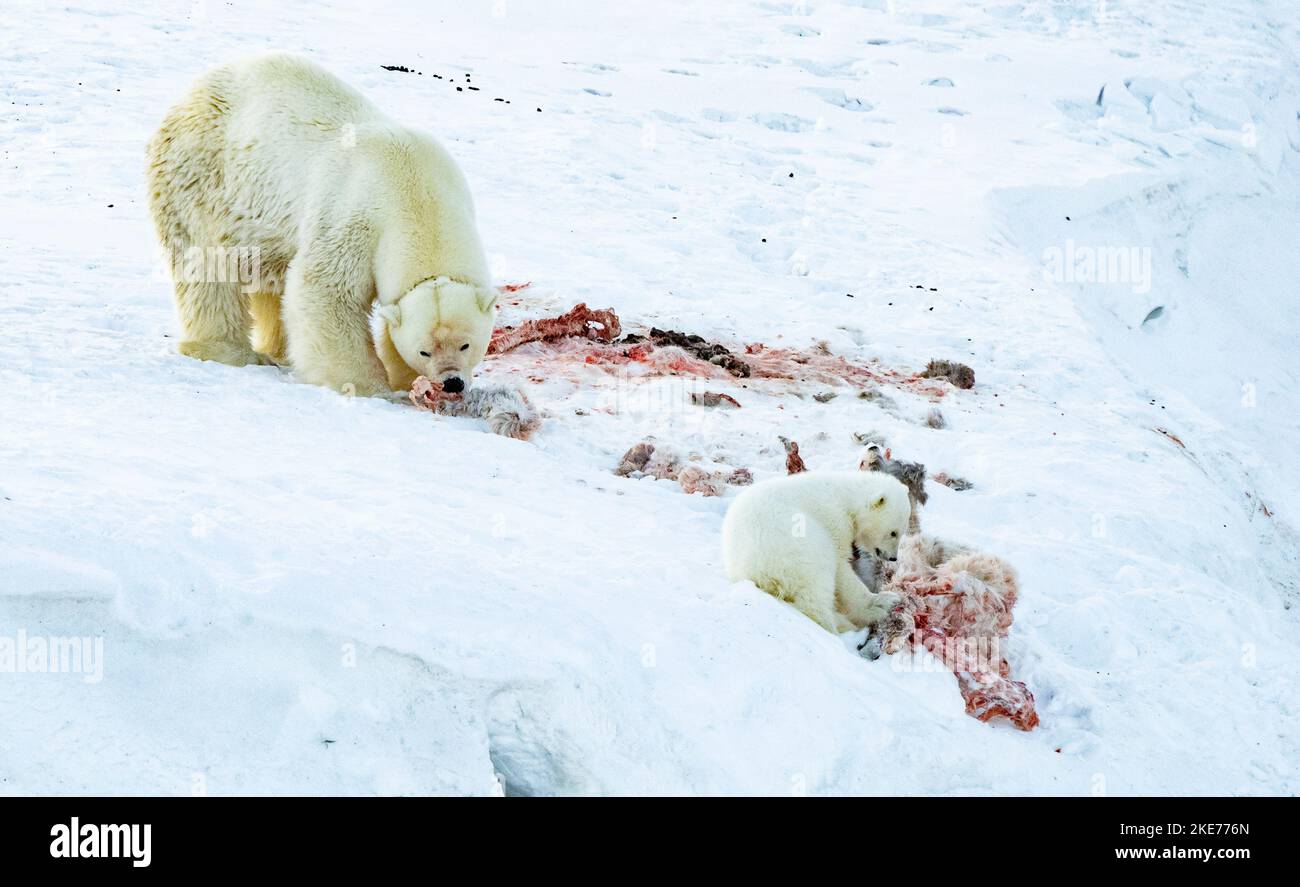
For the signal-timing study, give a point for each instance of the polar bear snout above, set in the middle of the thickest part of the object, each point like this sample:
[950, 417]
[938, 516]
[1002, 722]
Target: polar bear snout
[453, 384]
[887, 557]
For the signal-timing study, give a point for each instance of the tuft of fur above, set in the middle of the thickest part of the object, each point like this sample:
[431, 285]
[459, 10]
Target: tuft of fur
[507, 411]
[876, 457]
[958, 374]
[959, 484]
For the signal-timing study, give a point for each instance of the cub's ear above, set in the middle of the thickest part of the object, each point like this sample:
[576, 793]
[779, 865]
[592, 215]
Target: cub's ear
[392, 314]
[487, 299]
[879, 503]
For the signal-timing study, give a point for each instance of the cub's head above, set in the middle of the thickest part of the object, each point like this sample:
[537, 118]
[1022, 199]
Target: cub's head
[883, 518]
[442, 328]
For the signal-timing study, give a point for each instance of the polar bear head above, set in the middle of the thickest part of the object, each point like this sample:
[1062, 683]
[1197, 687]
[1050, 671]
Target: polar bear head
[883, 512]
[441, 328]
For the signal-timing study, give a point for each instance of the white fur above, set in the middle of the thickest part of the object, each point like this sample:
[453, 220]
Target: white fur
[344, 207]
[793, 537]
[506, 410]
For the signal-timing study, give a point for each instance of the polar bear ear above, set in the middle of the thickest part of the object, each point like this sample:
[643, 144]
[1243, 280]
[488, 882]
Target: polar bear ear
[392, 314]
[487, 299]
[879, 503]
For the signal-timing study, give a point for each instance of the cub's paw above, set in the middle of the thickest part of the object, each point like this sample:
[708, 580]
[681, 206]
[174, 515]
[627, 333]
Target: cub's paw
[882, 604]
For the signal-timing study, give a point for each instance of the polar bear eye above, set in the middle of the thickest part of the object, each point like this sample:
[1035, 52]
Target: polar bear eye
[894, 534]
[465, 347]
[424, 354]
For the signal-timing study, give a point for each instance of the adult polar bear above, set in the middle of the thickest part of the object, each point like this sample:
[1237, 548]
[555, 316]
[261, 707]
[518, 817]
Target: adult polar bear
[343, 207]
[794, 537]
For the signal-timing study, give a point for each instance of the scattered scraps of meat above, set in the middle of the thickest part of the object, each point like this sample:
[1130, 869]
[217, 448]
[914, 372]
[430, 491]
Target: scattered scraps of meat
[574, 358]
[650, 459]
[579, 321]
[817, 364]
[506, 410]
[665, 463]
[959, 484]
[876, 457]
[714, 399]
[958, 374]
[696, 346]
[793, 461]
[583, 338]
[957, 603]
[697, 479]
[1173, 437]
[635, 459]
[514, 287]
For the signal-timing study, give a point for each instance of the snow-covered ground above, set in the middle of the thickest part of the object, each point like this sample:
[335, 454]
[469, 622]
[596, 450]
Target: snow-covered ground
[301, 592]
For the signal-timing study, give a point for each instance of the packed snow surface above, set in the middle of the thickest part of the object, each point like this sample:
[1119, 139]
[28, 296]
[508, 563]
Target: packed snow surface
[297, 591]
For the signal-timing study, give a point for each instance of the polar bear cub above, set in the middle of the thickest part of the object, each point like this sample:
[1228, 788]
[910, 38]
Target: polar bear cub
[341, 208]
[793, 537]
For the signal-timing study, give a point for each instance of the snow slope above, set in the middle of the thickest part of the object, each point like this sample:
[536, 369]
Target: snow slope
[300, 592]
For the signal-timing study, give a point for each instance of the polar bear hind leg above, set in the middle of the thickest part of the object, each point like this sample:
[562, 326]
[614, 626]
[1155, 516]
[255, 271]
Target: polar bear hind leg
[215, 323]
[268, 327]
[812, 596]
